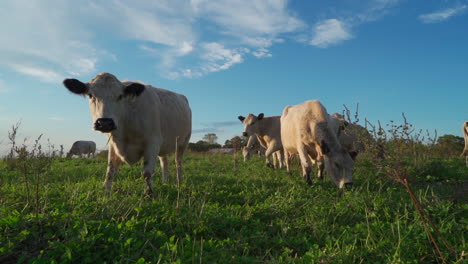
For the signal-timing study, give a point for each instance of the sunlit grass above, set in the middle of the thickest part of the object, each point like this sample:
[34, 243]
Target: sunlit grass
[255, 215]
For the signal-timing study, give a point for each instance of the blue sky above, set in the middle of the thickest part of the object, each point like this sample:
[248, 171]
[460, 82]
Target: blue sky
[234, 57]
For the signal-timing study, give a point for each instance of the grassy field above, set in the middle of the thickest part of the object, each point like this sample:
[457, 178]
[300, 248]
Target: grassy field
[251, 214]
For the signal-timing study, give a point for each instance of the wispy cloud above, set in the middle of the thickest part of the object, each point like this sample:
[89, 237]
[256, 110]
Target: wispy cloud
[186, 38]
[213, 57]
[222, 124]
[333, 31]
[45, 75]
[330, 32]
[207, 130]
[3, 87]
[56, 118]
[443, 15]
[215, 127]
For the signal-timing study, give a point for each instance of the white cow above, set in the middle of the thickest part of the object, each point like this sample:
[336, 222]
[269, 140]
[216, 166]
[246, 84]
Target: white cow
[140, 120]
[306, 129]
[465, 135]
[82, 147]
[253, 145]
[267, 130]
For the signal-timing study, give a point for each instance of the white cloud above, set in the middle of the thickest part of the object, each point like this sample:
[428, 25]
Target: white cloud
[443, 15]
[213, 57]
[329, 32]
[249, 17]
[48, 39]
[262, 53]
[44, 75]
[37, 37]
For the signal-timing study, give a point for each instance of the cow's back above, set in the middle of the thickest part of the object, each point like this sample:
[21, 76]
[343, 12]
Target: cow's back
[303, 123]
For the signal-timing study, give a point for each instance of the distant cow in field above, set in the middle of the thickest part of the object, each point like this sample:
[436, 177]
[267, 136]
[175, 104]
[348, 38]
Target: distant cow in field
[81, 148]
[267, 130]
[140, 120]
[307, 129]
[253, 146]
[465, 135]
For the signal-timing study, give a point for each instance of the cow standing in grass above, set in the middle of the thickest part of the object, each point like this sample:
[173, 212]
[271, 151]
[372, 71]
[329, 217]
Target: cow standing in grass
[140, 120]
[82, 147]
[253, 146]
[465, 135]
[307, 129]
[267, 130]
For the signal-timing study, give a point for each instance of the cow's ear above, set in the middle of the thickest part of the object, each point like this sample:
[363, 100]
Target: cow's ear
[75, 86]
[134, 89]
[260, 116]
[241, 118]
[353, 154]
[324, 147]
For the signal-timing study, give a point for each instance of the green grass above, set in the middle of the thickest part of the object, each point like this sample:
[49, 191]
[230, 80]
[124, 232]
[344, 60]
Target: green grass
[257, 215]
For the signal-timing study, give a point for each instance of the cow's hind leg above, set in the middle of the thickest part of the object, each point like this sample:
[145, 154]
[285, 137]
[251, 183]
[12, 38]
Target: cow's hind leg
[113, 163]
[287, 161]
[281, 157]
[164, 168]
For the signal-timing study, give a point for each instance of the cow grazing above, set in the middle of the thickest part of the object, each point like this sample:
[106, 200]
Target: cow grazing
[465, 135]
[267, 130]
[351, 136]
[81, 148]
[253, 145]
[141, 121]
[307, 129]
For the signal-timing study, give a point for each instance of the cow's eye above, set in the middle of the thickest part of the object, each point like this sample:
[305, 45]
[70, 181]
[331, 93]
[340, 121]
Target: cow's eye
[90, 96]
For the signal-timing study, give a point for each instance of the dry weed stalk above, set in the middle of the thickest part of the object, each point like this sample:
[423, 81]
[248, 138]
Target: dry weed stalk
[395, 151]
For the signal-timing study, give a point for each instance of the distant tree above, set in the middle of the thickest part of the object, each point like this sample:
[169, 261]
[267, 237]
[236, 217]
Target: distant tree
[449, 145]
[202, 146]
[210, 138]
[238, 141]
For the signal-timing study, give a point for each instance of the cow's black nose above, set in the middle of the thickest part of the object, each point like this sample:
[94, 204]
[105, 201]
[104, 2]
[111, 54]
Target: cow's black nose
[348, 184]
[244, 134]
[104, 125]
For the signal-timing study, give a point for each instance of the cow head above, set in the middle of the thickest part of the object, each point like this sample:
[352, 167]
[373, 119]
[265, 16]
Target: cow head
[338, 163]
[251, 124]
[247, 153]
[108, 99]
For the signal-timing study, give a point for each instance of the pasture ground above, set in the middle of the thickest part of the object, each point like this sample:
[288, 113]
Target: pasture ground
[253, 215]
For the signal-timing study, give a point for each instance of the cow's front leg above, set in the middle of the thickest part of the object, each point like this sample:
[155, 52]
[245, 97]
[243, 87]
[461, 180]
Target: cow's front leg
[320, 168]
[306, 163]
[149, 164]
[164, 168]
[268, 153]
[113, 163]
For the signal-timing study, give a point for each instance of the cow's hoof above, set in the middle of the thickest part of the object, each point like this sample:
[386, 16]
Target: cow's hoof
[269, 165]
[148, 195]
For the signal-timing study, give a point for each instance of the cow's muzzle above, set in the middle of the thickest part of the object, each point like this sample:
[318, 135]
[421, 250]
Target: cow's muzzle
[244, 134]
[104, 125]
[348, 185]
